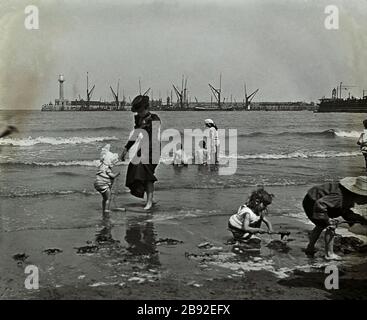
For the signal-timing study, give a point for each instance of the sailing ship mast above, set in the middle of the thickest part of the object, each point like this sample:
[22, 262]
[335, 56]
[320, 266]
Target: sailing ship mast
[89, 92]
[248, 98]
[181, 94]
[217, 92]
[116, 94]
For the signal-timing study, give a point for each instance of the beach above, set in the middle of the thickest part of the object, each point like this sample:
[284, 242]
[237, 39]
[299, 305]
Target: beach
[181, 249]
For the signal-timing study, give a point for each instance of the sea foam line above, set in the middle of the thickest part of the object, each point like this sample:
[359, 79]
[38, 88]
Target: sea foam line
[295, 155]
[326, 133]
[167, 161]
[30, 141]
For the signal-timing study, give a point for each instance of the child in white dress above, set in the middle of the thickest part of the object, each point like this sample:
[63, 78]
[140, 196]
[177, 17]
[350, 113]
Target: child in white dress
[105, 177]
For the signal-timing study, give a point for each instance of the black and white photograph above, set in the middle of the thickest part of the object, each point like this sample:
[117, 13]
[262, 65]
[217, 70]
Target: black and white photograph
[183, 150]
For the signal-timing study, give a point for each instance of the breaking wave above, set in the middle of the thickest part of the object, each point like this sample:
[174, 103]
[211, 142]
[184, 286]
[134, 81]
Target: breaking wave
[71, 163]
[168, 161]
[297, 154]
[322, 134]
[79, 129]
[347, 134]
[81, 163]
[28, 142]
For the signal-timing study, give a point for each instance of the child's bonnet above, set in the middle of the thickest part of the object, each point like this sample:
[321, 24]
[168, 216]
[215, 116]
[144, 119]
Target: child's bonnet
[107, 157]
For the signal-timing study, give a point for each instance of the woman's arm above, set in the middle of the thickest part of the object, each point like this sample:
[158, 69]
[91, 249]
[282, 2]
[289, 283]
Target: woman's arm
[128, 145]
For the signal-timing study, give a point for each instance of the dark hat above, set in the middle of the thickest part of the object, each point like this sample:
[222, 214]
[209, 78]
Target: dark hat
[138, 102]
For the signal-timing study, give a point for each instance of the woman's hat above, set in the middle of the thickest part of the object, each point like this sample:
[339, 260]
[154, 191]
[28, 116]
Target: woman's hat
[138, 102]
[209, 121]
[357, 185]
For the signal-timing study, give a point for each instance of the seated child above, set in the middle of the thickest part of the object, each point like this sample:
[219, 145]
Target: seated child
[323, 203]
[249, 217]
[362, 142]
[180, 157]
[105, 177]
[201, 155]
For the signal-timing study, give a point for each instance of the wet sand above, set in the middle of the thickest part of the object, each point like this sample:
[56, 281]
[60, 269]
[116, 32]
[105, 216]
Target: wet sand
[134, 256]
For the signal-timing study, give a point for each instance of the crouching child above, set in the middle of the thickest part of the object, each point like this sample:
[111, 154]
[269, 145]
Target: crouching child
[250, 216]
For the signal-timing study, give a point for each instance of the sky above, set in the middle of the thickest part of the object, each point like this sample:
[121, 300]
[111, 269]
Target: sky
[279, 46]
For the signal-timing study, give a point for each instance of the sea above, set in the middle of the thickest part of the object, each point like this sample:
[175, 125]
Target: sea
[56, 153]
[48, 202]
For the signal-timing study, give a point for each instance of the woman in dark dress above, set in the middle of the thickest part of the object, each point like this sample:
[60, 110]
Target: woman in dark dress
[140, 176]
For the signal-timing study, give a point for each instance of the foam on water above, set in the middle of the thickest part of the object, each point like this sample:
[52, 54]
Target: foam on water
[296, 155]
[72, 163]
[322, 134]
[30, 141]
[347, 134]
[229, 261]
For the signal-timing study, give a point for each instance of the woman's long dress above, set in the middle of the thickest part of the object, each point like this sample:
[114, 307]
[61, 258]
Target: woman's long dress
[139, 173]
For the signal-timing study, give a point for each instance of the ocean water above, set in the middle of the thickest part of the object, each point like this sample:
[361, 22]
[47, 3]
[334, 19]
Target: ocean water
[47, 198]
[49, 166]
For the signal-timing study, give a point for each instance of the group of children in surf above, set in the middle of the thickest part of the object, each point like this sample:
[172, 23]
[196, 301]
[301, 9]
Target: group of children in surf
[323, 204]
[203, 156]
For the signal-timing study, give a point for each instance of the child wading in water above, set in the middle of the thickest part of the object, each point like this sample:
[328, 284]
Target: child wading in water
[201, 155]
[249, 217]
[105, 177]
[180, 157]
[324, 203]
[362, 142]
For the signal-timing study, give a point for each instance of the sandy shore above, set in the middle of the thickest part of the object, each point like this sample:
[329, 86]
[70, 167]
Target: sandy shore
[167, 255]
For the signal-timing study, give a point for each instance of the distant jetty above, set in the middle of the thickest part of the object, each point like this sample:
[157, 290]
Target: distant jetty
[183, 102]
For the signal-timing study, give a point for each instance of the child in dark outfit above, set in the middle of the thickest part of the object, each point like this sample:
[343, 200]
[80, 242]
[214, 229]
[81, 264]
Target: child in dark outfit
[324, 203]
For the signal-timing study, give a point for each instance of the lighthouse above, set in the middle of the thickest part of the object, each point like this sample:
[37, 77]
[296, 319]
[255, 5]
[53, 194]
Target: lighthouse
[62, 103]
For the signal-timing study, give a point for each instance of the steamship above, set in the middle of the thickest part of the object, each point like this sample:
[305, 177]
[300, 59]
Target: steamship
[337, 103]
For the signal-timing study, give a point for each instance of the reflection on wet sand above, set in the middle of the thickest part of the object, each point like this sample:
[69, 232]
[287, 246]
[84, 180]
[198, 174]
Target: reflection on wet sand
[140, 237]
[104, 235]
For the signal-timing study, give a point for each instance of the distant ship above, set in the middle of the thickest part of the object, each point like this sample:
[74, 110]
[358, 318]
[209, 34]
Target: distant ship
[216, 108]
[221, 105]
[337, 103]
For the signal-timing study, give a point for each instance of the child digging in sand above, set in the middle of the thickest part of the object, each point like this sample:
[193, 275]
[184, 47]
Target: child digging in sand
[105, 177]
[249, 217]
[324, 203]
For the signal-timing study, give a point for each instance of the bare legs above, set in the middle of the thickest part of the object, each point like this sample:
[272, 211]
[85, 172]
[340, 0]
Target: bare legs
[329, 242]
[106, 198]
[149, 191]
